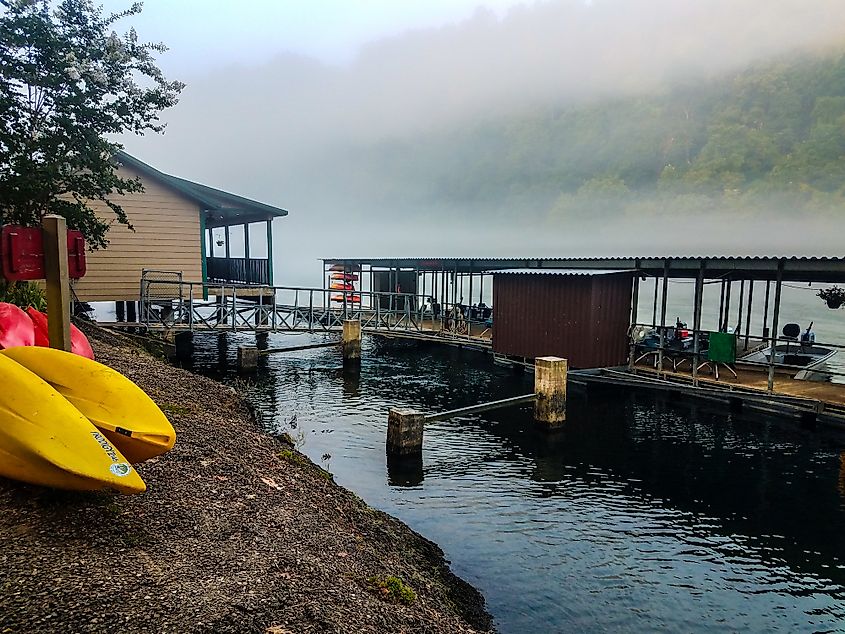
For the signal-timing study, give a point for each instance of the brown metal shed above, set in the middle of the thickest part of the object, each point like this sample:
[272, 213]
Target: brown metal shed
[582, 316]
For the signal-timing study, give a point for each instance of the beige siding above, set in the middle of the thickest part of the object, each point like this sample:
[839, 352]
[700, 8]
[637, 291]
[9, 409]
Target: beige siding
[166, 237]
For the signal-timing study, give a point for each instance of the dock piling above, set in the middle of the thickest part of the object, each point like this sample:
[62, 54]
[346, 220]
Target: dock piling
[247, 359]
[550, 388]
[351, 342]
[404, 432]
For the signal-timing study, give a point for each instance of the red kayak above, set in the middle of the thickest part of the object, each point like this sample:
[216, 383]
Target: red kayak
[16, 327]
[78, 342]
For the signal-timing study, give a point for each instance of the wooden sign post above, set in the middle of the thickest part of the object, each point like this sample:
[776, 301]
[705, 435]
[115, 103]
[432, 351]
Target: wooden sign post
[58, 281]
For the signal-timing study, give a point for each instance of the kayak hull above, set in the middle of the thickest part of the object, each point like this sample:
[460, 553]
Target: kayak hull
[44, 440]
[119, 409]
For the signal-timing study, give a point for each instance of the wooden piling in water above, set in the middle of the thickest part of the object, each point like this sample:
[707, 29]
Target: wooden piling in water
[247, 358]
[550, 388]
[404, 432]
[351, 342]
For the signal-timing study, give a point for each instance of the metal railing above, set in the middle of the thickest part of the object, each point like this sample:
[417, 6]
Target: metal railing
[290, 308]
[665, 347]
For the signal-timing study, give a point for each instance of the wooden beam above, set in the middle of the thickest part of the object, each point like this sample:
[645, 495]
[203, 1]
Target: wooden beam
[58, 281]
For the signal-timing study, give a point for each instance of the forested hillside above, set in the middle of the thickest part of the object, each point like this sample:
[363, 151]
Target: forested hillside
[768, 139]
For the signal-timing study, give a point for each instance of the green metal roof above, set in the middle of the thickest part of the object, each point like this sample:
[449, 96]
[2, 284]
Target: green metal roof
[221, 208]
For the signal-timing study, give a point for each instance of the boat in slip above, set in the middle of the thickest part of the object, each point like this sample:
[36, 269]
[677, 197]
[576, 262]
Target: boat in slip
[797, 355]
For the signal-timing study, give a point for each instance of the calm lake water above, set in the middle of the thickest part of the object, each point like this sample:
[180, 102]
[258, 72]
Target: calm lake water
[642, 514]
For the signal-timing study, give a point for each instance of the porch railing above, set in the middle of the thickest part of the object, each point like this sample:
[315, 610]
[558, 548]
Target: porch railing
[238, 270]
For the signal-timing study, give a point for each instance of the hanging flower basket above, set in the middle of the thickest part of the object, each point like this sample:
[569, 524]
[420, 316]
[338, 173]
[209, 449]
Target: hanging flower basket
[834, 296]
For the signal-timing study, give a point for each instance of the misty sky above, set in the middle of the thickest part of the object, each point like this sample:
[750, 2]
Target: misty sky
[281, 96]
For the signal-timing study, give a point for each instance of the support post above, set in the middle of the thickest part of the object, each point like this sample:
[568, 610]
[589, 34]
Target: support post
[765, 332]
[724, 325]
[774, 332]
[696, 323]
[663, 318]
[351, 342]
[635, 301]
[247, 359]
[404, 432]
[550, 390]
[58, 281]
[748, 313]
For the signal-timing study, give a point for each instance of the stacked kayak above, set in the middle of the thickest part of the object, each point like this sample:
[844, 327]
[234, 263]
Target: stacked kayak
[69, 422]
[340, 280]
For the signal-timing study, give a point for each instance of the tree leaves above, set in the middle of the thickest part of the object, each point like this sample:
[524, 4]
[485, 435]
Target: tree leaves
[67, 80]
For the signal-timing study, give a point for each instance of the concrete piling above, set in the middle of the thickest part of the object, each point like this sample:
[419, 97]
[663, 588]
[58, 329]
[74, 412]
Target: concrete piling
[550, 390]
[351, 342]
[247, 359]
[404, 432]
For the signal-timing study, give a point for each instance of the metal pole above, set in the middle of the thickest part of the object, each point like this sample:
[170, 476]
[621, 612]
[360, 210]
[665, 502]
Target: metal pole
[739, 312]
[724, 325]
[234, 307]
[748, 314]
[654, 308]
[773, 338]
[662, 316]
[635, 300]
[699, 292]
[721, 304]
[766, 307]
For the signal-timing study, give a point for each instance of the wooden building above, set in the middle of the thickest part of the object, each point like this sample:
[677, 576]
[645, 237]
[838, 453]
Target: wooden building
[208, 235]
[582, 316]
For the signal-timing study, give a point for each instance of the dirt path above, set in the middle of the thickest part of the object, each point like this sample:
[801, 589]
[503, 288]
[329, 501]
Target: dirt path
[237, 532]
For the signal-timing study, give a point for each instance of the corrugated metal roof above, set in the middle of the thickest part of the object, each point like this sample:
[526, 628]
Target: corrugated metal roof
[562, 271]
[795, 268]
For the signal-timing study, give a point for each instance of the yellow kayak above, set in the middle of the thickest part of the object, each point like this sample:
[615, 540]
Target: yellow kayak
[45, 440]
[122, 411]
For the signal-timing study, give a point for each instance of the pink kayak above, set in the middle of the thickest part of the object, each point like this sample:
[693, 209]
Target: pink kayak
[78, 342]
[16, 327]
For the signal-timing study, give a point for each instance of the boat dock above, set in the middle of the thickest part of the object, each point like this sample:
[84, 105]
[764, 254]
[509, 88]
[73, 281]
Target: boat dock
[585, 310]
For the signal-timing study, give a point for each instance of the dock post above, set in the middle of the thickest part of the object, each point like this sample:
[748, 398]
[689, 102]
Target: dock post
[247, 359]
[404, 432]
[184, 346]
[351, 341]
[550, 390]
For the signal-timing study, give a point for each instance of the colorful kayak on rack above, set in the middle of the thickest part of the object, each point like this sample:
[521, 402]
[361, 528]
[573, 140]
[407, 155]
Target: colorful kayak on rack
[347, 277]
[118, 408]
[78, 342]
[16, 327]
[349, 297]
[45, 440]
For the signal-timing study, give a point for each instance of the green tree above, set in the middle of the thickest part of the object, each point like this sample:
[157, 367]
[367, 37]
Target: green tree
[69, 82]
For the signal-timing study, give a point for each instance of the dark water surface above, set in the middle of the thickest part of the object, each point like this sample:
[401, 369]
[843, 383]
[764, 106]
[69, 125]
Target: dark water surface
[643, 513]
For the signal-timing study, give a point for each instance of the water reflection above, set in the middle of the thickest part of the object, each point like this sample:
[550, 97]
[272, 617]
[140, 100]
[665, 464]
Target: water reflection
[641, 513]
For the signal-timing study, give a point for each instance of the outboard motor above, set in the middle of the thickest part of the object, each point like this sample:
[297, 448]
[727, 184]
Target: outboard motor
[808, 337]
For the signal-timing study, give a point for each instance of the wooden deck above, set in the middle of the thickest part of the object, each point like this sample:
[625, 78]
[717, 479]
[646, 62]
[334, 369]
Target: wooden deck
[757, 380]
[809, 400]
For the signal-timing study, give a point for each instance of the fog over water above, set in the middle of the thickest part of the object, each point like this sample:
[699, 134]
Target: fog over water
[336, 143]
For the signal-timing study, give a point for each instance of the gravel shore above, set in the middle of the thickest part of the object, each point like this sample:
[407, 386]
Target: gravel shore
[237, 532]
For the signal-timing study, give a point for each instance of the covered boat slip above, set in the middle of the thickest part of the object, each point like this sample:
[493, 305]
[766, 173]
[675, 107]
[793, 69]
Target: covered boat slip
[726, 352]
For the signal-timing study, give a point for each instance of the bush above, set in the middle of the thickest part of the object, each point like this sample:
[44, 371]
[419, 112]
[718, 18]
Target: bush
[23, 294]
[394, 589]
